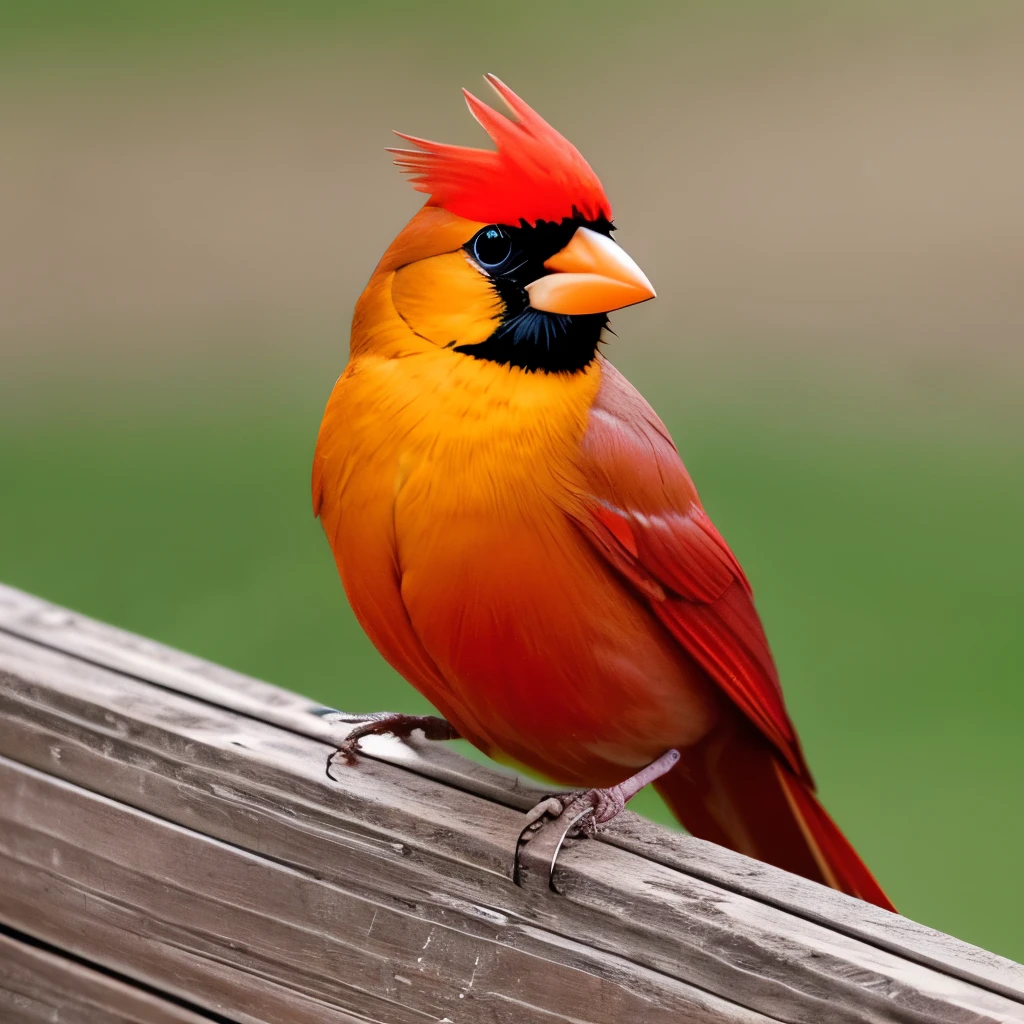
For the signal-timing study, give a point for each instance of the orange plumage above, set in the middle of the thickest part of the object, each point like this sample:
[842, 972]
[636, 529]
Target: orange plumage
[513, 525]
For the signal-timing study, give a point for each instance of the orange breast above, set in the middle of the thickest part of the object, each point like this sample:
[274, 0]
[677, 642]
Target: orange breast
[444, 483]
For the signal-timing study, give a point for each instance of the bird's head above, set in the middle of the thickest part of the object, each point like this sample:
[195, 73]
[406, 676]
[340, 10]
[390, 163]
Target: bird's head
[512, 259]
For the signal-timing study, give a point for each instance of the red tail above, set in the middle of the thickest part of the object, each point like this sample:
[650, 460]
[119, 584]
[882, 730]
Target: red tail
[733, 790]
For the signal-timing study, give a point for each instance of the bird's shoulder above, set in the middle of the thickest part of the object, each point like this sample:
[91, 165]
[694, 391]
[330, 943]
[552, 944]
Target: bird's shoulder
[641, 505]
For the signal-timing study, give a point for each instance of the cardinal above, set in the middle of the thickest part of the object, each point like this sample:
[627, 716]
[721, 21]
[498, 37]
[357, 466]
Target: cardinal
[516, 532]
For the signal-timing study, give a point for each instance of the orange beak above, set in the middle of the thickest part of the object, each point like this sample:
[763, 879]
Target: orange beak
[592, 275]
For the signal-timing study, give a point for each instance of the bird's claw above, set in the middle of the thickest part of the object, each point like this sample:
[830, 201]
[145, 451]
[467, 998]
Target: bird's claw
[547, 827]
[383, 723]
[571, 814]
[603, 805]
[552, 805]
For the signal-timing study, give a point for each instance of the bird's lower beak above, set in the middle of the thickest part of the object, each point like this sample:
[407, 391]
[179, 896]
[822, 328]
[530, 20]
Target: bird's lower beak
[591, 275]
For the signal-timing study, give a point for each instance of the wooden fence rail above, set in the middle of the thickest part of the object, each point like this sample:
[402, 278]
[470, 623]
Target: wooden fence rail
[171, 850]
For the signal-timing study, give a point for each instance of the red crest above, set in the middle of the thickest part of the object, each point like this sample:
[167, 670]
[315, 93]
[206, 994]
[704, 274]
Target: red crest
[534, 174]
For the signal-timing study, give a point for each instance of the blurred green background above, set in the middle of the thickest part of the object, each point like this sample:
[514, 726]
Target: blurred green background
[828, 198]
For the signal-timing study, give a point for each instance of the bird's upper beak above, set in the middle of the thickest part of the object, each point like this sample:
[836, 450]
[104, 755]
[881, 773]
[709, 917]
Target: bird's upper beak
[591, 275]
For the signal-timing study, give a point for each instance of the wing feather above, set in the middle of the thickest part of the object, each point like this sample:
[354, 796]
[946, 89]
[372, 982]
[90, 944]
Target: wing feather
[642, 513]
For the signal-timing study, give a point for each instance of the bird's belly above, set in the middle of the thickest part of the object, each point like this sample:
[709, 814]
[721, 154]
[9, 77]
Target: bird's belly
[552, 658]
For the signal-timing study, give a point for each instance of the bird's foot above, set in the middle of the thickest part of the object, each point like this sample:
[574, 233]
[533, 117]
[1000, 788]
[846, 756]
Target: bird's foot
[599, 806]
[570, 814]
[384, 723]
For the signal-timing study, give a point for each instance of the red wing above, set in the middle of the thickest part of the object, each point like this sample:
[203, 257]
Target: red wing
[644, 516]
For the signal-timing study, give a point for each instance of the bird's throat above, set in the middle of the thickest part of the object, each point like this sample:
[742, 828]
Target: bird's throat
[532, 339]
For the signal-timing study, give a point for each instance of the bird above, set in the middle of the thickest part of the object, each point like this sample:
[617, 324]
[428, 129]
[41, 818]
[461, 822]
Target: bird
[514, 527]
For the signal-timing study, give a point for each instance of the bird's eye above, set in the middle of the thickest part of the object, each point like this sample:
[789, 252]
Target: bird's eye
[491, 247]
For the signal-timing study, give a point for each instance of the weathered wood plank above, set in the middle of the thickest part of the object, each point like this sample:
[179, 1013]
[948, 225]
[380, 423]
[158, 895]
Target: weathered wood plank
[41, 987]
[27, 616]
[32, 618]
[422, 857]
[263, 942]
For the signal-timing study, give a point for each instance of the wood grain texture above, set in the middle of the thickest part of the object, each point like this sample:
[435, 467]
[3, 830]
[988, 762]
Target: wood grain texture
[29, 617]
[257, 941]
[49, 625]
[40, 987]
[334, 915]
[204, 851]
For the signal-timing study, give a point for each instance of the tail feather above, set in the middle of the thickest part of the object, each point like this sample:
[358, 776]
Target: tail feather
[833, 850]
[733, 790]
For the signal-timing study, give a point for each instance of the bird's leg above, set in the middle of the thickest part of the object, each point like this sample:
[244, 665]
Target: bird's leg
[383, 723]
[605, 803]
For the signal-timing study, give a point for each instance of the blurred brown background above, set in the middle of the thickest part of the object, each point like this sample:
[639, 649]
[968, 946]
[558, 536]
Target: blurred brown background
[828, 198]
